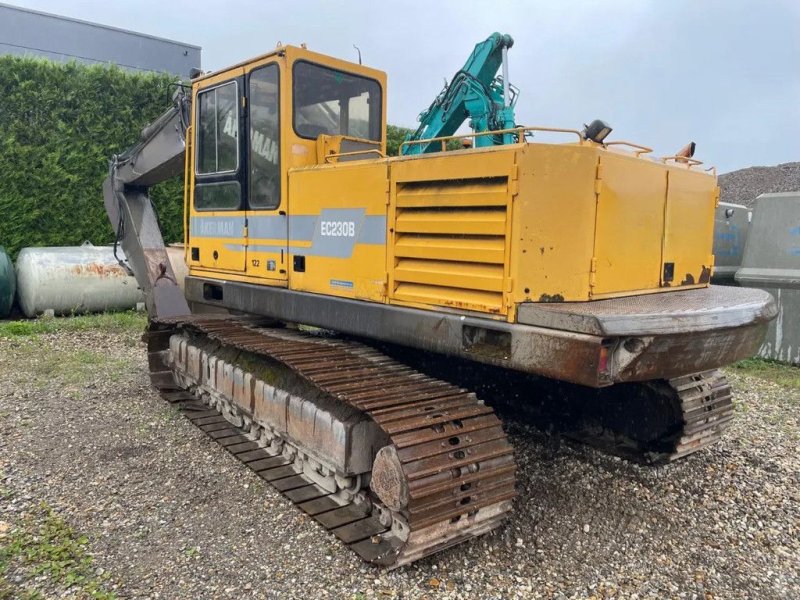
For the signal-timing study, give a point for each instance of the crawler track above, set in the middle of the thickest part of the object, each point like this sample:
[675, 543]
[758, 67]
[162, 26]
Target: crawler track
[651, 422]
[657, 422]
[454, 475]
[706, 407]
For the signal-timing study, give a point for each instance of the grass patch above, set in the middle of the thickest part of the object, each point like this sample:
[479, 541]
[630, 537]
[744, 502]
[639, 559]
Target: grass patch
[43, 544]
[770, 370]
[41, 364]
[79, 367]
[112, 322]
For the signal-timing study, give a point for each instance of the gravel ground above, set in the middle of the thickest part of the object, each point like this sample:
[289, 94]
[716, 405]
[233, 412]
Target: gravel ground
[168, 514]
[745, 185]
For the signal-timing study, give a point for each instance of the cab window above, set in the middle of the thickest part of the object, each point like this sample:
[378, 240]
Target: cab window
[332, 102]
[218, 130]
[264, 146]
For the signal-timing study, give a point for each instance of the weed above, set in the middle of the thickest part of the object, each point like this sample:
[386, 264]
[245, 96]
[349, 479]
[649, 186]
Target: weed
[43, 544]
[112, 321]
[770, 370]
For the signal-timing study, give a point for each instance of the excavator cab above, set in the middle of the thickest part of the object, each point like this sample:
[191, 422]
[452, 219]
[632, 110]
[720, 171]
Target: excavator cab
[251, 124]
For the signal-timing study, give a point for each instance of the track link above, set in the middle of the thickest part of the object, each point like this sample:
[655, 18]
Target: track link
[448, 469]
[689, 413]
[706, 407]
[650, 422]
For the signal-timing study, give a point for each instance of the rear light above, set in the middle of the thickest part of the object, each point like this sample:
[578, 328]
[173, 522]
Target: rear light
[602, 363]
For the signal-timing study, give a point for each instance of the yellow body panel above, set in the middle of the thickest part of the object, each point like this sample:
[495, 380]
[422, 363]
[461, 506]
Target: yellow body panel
[630, 223]
[339, 260]
[476, 231]
[449, 222]
[552, 237]
[689, 226]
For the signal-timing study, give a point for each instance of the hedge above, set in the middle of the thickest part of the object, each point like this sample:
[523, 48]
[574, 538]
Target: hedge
[59, 125]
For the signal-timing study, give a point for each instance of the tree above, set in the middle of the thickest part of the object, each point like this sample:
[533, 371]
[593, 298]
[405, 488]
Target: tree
[394, 137]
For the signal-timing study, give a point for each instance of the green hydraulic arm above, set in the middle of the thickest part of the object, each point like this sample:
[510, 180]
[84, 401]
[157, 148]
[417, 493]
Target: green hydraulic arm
[475, 93]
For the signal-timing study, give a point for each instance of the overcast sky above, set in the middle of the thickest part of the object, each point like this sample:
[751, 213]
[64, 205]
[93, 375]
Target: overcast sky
[725, 74]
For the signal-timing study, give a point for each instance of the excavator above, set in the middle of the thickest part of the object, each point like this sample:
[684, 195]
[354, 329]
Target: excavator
[349, 318]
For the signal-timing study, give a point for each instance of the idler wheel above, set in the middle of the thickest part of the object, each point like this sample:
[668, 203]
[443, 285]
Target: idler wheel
[388, 479]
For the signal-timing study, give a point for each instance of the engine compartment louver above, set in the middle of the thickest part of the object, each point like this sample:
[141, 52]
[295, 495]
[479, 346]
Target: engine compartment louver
[449, 243]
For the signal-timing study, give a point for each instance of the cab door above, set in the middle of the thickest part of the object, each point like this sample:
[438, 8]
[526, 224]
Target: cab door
[267, 222]
[218, 227]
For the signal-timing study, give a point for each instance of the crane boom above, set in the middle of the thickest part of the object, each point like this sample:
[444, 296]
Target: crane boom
[475, 94]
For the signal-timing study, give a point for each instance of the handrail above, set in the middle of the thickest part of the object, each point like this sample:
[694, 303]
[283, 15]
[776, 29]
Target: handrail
[641, 149]
[520, 131]
[690, 162]
[356, 152]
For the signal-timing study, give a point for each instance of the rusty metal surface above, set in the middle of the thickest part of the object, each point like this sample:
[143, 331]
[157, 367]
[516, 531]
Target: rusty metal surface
[451, 467]
[718, 327]
[667, 313]
[671, 356]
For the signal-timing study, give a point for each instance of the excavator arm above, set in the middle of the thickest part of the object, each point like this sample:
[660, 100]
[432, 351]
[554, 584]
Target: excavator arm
[158, 156]
[475, 94]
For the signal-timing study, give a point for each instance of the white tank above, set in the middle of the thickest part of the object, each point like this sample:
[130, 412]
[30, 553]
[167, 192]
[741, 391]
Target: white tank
[74, 279]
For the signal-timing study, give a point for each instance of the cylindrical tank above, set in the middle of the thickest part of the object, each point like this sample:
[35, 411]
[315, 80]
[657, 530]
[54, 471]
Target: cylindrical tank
[8, 283]
[177, 259]
[74, 279]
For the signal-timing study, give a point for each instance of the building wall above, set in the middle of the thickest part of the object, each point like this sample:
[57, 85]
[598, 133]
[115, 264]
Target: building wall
[28, 32]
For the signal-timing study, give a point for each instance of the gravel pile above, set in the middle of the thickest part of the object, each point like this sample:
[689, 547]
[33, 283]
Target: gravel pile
[169, 514]
[744, 186]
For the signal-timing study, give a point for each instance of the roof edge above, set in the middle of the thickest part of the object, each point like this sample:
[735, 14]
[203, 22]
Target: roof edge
[100, 25]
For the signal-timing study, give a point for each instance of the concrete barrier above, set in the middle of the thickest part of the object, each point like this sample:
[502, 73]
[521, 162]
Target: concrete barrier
[731, 223]
[771, 262]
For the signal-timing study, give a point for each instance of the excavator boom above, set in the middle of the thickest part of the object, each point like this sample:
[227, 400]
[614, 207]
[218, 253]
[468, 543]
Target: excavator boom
[158, 156]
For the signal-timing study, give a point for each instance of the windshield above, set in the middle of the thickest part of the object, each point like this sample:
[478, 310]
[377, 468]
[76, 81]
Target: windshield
[327, 101]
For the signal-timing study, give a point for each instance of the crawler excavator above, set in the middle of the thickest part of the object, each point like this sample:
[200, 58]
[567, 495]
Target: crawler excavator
[579, 260]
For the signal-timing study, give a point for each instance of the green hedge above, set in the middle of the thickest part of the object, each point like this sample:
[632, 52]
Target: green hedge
[59, 125]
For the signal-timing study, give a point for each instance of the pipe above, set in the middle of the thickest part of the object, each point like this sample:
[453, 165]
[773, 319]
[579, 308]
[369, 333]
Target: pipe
[506, 90]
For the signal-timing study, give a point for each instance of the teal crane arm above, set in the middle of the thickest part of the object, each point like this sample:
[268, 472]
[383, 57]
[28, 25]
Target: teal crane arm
[475, 94]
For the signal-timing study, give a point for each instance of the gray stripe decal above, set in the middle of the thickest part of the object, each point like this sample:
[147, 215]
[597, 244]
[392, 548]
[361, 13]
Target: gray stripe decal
[223, 227]
[271, 227]
[302, 227]
[373, 231]
[320, 230]
[262, 248]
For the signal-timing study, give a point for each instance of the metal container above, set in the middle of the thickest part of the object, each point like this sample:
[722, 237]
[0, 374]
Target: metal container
[8, 283]
[731, 224]
[73, 279]
[772, 262]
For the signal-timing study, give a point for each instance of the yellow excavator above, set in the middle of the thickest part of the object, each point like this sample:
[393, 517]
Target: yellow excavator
[342, 307]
